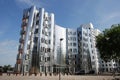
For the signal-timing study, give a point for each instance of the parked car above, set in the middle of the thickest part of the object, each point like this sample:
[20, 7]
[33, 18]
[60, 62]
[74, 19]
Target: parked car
[91, 72]
[81, 72]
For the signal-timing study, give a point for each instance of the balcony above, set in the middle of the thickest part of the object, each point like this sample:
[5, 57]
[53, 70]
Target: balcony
[24, 28]
[24, 20]
[20, 46]
[19, 56]
[23, 37]
[19, 61]
[20, 51]
[21, 40]
[37, 18]
[24, 24]
[26, 15]
[22, 32]
[45, 23]
[46, 16]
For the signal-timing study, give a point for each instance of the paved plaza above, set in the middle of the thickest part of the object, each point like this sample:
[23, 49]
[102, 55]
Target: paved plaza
[69, 77]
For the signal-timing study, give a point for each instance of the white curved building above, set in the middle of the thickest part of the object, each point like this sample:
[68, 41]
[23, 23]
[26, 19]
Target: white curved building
[45, 47]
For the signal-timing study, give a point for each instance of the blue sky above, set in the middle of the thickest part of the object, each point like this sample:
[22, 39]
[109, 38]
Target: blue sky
[68, 13]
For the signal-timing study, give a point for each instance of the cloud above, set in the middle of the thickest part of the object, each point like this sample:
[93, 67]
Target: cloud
[105, 19]
[8, 52]
[105, 14]
[109, 17]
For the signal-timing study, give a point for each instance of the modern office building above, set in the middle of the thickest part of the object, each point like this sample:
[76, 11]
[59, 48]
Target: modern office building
[47, 48]
[109, 66]
[36, 50]
[72, 50]
[86, 47]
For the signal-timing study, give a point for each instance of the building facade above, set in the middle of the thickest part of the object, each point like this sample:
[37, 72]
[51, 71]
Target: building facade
[47, 48]
[36, 48]
[87, 50]
[72, 50]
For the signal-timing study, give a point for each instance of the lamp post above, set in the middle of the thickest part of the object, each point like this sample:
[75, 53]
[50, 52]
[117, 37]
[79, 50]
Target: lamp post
[60, 59]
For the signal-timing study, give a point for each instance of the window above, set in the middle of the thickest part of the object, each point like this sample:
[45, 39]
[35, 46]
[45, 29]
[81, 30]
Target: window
[42, 40]
[49, 68]
[75, 56]
[102, 61]
[49, 33]
[75, 62]
[107, 69]
[42, 49]
[49, 25]
[48, 49]
[28, 46]
[93, 57]
[36, 31]
[37, 15]
[70, 38]
[85, 39]
[43, 31]
[26, 67]
[74, 44]
[113, 60]
[35, 48]
[106, 64]
[84, 50]
[37, 22]
[85, 34]
[35, 39]
[49, 41]
[74, 33]
[109, 64]
[45, 59]
[41, 58]
[75, 50]
[92, 51]
[70, 33]
[42, 68]
[74, 38]
[91, 45]
[110, 69]
[26, 57]
[69, 44]
[46, 33]
[90, 40]
[70, 50]
[46, 41]
[103, 65]
[48, 58]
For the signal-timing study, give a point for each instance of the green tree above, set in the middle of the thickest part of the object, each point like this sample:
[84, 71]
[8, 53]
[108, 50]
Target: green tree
[6, 68]
[108, 43]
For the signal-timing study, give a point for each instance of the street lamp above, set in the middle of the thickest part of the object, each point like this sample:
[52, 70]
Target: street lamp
[60, 59]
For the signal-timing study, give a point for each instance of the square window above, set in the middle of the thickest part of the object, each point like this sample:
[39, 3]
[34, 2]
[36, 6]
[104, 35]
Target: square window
[74, 44]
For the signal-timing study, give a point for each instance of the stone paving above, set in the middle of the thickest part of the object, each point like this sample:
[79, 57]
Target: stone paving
[69, 77]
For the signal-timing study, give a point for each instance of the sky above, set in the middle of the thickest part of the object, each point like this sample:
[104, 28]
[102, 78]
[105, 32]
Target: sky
[68, 13]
